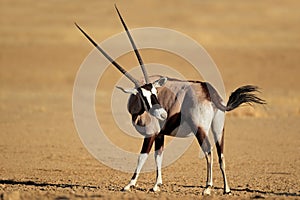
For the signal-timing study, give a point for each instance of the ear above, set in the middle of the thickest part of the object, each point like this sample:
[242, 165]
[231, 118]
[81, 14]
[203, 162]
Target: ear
[160, 82]
[128, 91]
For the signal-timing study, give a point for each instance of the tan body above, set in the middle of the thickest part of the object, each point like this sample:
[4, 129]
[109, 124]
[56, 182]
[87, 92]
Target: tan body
[186, 102]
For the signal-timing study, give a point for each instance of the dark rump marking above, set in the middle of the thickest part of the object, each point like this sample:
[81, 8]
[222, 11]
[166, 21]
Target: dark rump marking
[206, 90]
[212, 95]
[242, 95]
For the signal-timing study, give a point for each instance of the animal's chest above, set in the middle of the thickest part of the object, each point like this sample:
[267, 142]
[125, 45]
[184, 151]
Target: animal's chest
[147, 124]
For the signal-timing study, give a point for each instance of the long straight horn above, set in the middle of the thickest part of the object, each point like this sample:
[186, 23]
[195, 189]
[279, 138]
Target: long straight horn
[121, 69]
[134, 47]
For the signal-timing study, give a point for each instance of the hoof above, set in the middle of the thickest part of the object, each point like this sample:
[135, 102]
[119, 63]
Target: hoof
[207, 191]
[227, 192]
[156, 188]
[127, 188]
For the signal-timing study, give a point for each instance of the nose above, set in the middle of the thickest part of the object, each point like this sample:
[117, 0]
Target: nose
[158, 112]
[163, 115]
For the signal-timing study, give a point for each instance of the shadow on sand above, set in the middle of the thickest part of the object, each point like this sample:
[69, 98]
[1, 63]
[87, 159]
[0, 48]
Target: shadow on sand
[32, 183]
[249, 190]
[254, 191]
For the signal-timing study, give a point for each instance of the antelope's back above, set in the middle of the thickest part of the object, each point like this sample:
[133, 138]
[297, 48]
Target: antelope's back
[175, 91]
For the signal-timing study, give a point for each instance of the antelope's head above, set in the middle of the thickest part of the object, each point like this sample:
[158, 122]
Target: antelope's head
[147, 93]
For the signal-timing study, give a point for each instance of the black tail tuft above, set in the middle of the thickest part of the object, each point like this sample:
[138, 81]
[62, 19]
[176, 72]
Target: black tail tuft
[243, 95]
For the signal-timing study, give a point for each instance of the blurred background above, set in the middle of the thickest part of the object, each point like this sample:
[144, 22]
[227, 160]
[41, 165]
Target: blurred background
[252, 42]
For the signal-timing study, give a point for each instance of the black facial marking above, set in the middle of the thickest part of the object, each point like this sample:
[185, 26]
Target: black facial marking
[154, 100]
[144, 100]
[148, 86]
[153, 97]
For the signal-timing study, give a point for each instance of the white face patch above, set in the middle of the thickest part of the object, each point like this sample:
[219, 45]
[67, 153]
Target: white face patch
[154, 91]
[147, 95]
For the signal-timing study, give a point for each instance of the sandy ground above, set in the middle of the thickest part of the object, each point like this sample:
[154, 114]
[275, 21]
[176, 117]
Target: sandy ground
[252, 42]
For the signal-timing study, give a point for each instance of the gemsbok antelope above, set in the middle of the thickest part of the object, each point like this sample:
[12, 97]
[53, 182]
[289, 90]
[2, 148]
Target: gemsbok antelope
[159, 106]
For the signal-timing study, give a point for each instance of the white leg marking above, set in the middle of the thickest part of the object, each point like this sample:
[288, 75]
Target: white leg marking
[141, 161]
[217, 129]
[209, 159]
[222, 167]
[209, 180]
[158, 160]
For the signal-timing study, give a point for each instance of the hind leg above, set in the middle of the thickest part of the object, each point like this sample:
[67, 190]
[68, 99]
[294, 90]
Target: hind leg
[220, 147]
[218, 132]
[202, 138]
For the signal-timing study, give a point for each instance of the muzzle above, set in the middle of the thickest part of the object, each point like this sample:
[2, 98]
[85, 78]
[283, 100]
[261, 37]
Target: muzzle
[158, 112]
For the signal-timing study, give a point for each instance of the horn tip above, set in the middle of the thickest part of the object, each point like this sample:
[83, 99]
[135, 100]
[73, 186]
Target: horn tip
[76, 25]
[118, 10]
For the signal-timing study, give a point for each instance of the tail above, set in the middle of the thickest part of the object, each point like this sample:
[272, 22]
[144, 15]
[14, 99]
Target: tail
[242, 95]
[245, 95]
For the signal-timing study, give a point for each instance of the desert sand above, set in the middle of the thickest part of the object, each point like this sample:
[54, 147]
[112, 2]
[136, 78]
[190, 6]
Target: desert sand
[252, 42]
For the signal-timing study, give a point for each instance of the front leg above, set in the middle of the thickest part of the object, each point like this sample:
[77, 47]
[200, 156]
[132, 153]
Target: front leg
[159, 147]
[147, 145]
